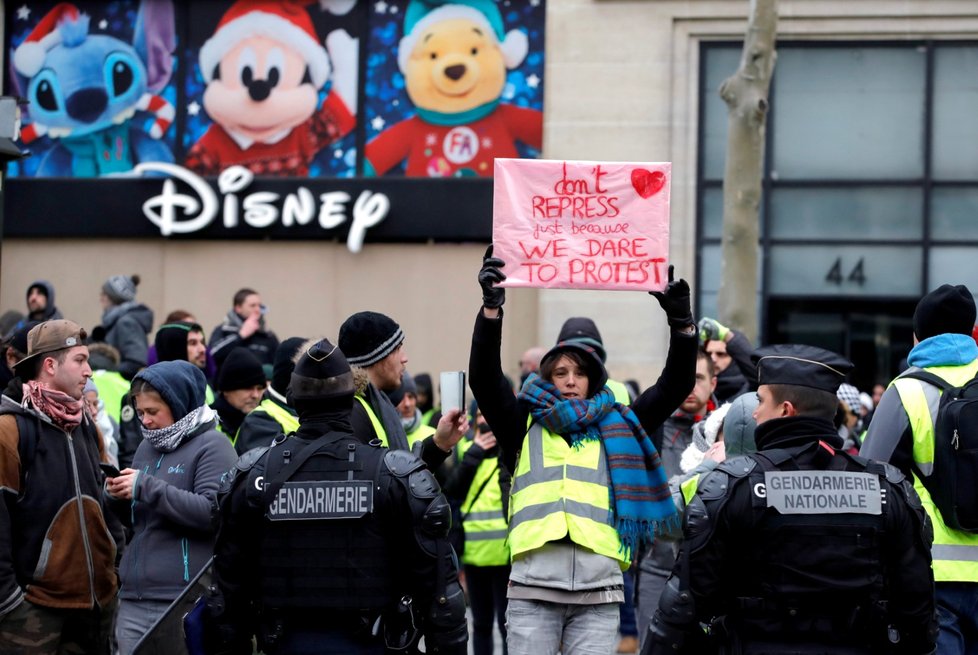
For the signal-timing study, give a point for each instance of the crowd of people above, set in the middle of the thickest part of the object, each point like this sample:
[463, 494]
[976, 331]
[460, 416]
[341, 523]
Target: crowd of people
[751, 500]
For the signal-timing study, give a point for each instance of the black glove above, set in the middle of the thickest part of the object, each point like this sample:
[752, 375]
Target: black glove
[491, 274]
[675, 301]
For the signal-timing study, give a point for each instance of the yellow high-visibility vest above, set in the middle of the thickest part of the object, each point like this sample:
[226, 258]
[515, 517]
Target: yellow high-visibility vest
[955, 553]
[559, 490]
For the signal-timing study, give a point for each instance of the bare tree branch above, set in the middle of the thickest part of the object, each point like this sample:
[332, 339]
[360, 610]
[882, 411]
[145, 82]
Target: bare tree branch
[746, 95]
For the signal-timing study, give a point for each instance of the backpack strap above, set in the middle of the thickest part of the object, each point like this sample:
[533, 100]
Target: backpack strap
[927, 376]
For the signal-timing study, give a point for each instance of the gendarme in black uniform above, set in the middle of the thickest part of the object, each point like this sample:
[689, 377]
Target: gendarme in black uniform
[329, 544]
[800, 548]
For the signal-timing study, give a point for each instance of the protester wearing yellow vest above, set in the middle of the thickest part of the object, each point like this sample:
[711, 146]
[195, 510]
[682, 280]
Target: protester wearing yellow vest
[484, 490]
[902, 433]
[587, 486]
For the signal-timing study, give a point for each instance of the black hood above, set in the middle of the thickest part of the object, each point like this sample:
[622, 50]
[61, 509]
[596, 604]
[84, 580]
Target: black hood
[583, 330]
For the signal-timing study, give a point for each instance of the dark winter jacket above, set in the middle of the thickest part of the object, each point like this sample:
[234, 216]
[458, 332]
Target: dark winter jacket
[55, 546]
[225, 338]
[126, 329]
[173, 513]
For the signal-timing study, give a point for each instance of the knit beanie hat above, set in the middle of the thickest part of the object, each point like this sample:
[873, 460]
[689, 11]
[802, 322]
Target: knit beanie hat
[583, 330]
[284, 363]
[44, 287]
[407, 386]
[180, 384]
[368, 337]
[241, 369]
[121, 288]
[322, 373]
[171, 340]
[946, 309]
[421, 14]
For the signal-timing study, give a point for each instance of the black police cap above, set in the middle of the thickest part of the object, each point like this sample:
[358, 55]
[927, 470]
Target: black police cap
[804, 366]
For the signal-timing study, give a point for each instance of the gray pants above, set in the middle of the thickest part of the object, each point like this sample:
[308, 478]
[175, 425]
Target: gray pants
[134, 620]
[536, 627]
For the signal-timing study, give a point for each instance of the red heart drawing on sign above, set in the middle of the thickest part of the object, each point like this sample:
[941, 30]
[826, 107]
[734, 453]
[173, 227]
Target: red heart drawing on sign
[648, 183]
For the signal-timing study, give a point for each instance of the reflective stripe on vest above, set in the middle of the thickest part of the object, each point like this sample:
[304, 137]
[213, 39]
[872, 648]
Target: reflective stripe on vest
[955, 553]
[558, 491]
[620, 391]
[374, 421]
[483, 520]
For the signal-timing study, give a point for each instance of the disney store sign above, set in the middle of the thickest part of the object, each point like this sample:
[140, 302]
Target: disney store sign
[161, 200]
[174, 212]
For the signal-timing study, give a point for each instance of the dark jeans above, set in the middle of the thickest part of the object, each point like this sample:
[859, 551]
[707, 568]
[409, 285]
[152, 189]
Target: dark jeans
[957, 612]
[487, 600]
[626, 611]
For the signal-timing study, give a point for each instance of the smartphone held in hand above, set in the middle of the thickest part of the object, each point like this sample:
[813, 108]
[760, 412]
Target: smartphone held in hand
[452, 387]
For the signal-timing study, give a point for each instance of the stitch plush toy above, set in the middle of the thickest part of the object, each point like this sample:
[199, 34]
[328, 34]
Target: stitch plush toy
[85, 89]
[454, 56]
[264, 66]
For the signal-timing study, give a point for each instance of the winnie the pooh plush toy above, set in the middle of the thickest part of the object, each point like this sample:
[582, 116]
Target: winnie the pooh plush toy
[454, 56]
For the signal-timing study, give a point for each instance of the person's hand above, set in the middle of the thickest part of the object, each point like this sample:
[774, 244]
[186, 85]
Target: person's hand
[675, 301]
[712, 330]
[452, 426]
[250, 325]
[121, 485]
[490, 275]
[717, 452]
[485, 440]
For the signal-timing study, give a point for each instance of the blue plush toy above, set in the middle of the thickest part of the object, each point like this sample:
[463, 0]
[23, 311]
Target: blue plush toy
[85, 89]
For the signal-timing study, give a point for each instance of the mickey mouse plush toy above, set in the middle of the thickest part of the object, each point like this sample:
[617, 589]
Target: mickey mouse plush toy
[264, 66]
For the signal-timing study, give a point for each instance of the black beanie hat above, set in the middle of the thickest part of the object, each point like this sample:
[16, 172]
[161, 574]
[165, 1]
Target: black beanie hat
[284, 363]
[583, 330]
[321, 373]
[241, 369]
[946, 309]
[171, 340]
[368, 337]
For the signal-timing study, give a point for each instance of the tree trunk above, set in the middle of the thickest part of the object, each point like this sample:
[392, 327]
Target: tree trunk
[745, 93]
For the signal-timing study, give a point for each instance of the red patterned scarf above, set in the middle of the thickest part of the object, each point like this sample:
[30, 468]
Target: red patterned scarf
[63, 410]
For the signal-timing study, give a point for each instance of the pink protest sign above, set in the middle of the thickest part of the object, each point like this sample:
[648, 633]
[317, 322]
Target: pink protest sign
[582, 224]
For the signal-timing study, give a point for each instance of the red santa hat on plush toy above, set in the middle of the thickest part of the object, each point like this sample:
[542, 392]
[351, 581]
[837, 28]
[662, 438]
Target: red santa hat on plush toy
[29, 55]
[421, 14]
[286, 21]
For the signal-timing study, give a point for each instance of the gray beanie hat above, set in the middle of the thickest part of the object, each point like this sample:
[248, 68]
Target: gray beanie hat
[121, 288]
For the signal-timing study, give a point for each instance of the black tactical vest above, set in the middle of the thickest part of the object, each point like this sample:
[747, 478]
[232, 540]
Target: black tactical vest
[325, 545]
[812, 553]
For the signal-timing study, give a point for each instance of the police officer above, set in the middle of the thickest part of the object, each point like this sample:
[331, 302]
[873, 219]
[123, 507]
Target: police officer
[800, 547]
[329, 544]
